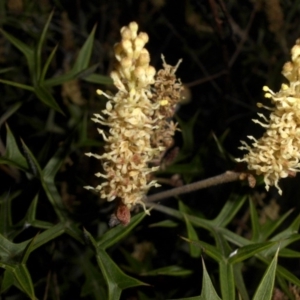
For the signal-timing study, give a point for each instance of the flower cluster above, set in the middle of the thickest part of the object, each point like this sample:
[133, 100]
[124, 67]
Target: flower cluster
[277, 153]
[137, 117]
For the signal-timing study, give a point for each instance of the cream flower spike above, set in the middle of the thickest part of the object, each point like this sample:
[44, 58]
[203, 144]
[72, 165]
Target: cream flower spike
[136, 116]
[276, 154]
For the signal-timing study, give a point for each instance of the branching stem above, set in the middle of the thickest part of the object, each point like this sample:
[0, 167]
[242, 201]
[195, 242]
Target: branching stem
[228, 176]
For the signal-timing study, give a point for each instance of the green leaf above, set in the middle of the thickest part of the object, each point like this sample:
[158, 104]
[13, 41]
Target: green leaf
[192, 235]
[254, 222]
[5, 212]
[59, 79]
[210, 250]
[47, 64]
[219, 142]
[6, 70]
[248, 251]
[270, 226]
[114, 235]
[7, 281]
[289, 253]
[43, 94]
[222, 244]
[13, 156]
[26, 50]
[284, 242]
[58, 230]
[208, 290]
[228, 211]
[168, 271]
[48, 178]
[85, 52]
[29, 248]
[227, 280]
[23, 278]
[115, 278]
[292, 229]
[18, 85]
[239, 280]
[9, 112]
[41, 41]
[164, 223]
[98, 79]
[94, 282]
[11, 253]
[31, 216]
[34, 165]
[266, 286]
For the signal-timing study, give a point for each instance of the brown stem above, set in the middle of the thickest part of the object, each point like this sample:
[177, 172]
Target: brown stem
[228, 176]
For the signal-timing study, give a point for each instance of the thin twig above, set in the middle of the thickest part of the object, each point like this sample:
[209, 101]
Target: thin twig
[228, 176]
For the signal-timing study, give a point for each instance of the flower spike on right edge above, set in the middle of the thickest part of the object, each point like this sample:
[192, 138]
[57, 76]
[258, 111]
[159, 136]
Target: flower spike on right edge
[276, 154]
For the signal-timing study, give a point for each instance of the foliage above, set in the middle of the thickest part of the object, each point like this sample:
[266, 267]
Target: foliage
[55, 239]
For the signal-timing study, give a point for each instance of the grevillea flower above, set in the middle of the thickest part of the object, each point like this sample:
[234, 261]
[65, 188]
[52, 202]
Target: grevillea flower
[276, 154]
[137, 118]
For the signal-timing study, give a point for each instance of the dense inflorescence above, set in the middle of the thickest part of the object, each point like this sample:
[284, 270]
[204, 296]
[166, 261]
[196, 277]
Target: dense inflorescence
[276, 154]
[138, 120]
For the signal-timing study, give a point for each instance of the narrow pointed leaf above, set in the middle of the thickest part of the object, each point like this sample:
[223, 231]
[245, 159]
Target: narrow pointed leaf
[114, 235]
[268, 228]
[289, 253]
[23, 278]
[11, 253]
[26, 50]
[13, 156]
[266, 286]
[59, 79]
[5, 212]
[168, 271]
[32, 161]
[41, 41]
[94, 282]
[164, 223]
[192, 234]
[18, 85]
[29, 248]
[227, 281]
[7, 281]
[249, 251]
[31, 213]
[47, 64]
[115, 278]
[98, 79]
[239, 280]
[222, 244]
[208, 290]
[6, 70]
[210, 250]
[48, 235]
[44, 95]
[47, 183]
[254, 222]
[283, 243]
[9, 112]
[85, 52]
[228, 211]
